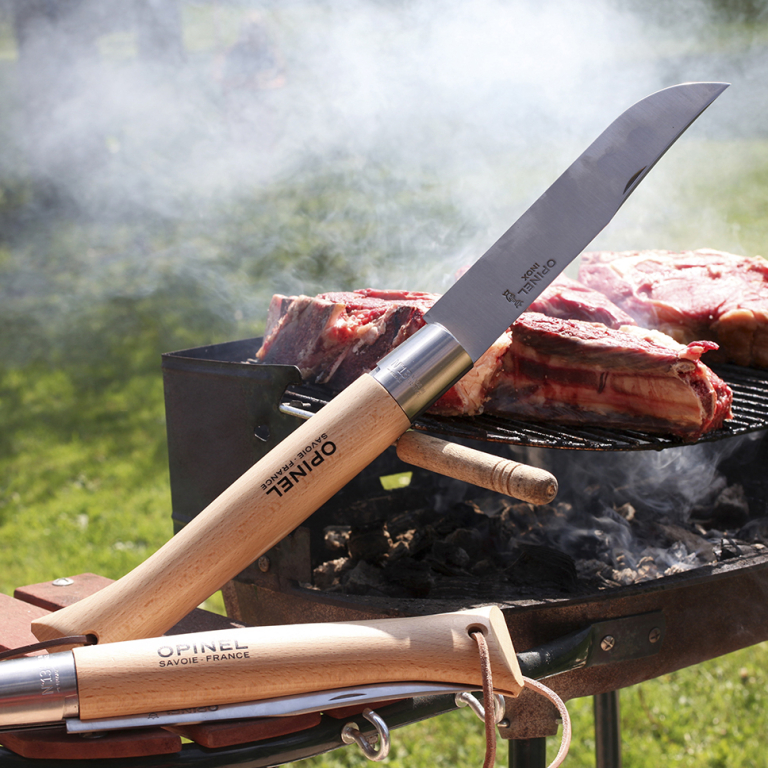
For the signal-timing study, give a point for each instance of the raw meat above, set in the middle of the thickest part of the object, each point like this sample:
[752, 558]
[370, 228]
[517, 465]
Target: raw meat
[542, 368]
[572, 372]
[573, 300]
[690, 295]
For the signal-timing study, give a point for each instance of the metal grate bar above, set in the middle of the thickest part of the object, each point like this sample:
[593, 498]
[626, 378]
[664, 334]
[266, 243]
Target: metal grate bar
[750, 413]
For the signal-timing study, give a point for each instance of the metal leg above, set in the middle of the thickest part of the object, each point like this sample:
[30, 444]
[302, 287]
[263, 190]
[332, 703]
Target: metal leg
[528, 753]
[607, 730]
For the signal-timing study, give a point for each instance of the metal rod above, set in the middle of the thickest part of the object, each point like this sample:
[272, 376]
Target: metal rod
[607, 730]
[528, 753]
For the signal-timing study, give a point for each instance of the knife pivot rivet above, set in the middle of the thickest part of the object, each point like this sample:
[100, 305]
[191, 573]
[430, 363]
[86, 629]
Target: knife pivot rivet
[63, 582]
[654, 635]
[608, 642]
[263, 563]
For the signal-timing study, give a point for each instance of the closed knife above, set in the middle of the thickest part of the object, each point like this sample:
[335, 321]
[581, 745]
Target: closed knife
[282, 489]
[198, 675]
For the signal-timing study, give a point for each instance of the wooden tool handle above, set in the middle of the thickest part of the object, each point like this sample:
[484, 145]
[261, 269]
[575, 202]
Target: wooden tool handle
[230, 666]
[251, 516]
[517, 480]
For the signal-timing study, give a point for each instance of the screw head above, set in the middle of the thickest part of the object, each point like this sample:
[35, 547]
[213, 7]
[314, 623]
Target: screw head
[654, 635]
[608, 642]
[263, 563]
[63, 582]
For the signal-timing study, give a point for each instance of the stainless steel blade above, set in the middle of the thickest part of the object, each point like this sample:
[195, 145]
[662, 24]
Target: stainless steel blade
[279, 707]
[567, 217]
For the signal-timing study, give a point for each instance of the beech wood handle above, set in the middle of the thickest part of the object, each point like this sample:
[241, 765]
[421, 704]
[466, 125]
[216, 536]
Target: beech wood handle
[231, 666]
[477, 467]
[259, 509]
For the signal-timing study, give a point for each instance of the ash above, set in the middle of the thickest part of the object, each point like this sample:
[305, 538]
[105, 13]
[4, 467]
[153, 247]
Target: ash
[498, 547]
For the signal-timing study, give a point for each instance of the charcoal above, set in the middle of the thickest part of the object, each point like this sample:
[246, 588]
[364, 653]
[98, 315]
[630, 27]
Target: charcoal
[694, 543]
[407, 521]
[450, 554]
[327, 574]
[365, 579]
[335, 538]
[415, 577]
[496, 547]
[417, 539]
[731, 509]
[755, 530]
[485, 567]
[543, 566]
[368, 544]
[468, 539]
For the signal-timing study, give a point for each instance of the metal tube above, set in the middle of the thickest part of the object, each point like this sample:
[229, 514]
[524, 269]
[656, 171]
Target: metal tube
[38, 689]
[607, 730]
[528, 753]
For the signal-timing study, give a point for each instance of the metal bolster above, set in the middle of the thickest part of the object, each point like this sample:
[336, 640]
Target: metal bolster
[422, 368]
[38, 689]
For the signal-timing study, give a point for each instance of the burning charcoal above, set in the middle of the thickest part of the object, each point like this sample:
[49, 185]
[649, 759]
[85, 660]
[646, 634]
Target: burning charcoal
[590, 570]
[456, 516]
[755, 531]
[485, 567]
[624, 576]
[627, 511]
[468, 539]
[399, 550]
[368, 544]
[450, 554]
[406, 521]
[336, 537]
[327, 574]
[693, 543]
[544, 567]
[731, 509]
[729, 549]
[492, 506]
[417, 540]
[413, 576]
[365, 579]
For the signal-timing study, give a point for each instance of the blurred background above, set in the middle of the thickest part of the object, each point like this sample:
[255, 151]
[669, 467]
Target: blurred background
[167, 165]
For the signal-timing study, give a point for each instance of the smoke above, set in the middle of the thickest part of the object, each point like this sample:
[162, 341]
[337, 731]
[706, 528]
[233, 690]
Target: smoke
[372, 144]
[665, 509]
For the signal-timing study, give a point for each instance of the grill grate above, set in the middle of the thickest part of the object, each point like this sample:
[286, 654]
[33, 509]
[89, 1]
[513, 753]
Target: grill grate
[750, 413]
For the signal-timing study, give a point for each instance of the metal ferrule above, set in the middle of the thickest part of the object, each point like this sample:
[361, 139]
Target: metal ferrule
[422, 368]
[38, 689]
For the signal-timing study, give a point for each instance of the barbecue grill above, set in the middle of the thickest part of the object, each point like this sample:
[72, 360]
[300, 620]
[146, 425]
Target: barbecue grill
[224, 413]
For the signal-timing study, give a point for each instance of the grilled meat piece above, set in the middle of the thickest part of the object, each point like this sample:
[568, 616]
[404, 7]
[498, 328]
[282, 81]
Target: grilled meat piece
[690, 295]
[542, 368]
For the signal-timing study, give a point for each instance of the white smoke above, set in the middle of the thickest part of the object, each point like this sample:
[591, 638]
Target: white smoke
[470, 108]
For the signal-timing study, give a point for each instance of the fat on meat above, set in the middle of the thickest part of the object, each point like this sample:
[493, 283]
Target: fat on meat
[690, 295]
[542, 368]
[572, 300]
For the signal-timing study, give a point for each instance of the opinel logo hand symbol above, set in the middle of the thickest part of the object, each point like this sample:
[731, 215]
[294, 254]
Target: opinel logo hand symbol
[510, 297]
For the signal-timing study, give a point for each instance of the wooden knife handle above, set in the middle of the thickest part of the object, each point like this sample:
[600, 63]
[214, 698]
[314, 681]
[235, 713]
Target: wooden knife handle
[231, 666]
[477, 467]
[251, 516]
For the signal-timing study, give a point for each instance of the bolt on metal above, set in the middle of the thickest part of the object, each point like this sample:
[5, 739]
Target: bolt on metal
[608, 642]
[263, 563]
[654, 635]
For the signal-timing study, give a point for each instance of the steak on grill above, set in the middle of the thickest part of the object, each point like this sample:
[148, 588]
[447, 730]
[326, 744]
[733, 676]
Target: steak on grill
[690, 295]
[542, 368]
[573, 300]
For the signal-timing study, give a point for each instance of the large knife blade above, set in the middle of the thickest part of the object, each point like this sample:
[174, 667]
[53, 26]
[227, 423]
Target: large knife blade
[323, 454]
